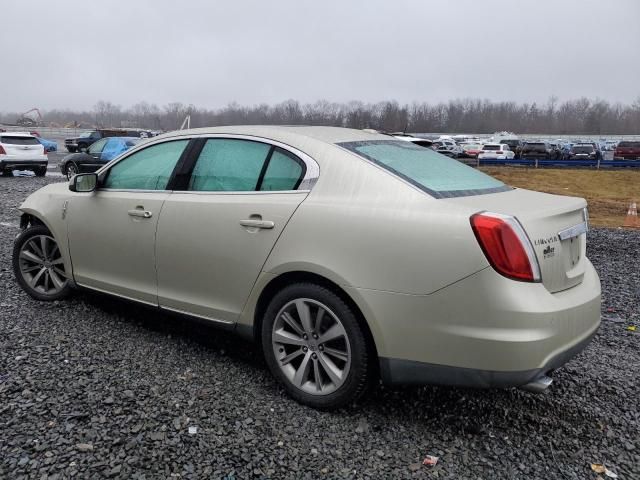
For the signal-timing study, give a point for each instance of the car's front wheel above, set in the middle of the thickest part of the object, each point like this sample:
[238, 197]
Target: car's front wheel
[315, 347]
[72, 169]
[38, 264]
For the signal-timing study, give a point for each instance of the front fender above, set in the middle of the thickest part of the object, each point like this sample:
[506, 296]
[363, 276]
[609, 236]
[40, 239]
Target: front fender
[48, 206]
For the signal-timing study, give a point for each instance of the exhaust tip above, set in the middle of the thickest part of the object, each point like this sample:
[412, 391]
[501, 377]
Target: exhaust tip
[539, 385]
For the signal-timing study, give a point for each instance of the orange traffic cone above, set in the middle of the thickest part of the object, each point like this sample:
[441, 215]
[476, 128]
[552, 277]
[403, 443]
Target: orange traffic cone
[632, 217]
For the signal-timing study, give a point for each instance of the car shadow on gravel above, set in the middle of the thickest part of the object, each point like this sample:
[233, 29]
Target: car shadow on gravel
[466, 410]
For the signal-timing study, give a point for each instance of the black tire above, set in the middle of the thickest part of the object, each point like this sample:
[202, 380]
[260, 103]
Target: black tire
[7, 173]
[38, 294]
[40, 171]
[71, 149]
[359, 374]
[71, 169]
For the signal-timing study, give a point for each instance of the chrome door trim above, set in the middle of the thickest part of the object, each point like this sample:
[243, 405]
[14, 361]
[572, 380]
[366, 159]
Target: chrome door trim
[109, 292]
[204, 317]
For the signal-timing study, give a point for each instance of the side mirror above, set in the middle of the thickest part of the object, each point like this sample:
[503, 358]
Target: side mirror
[83, 182]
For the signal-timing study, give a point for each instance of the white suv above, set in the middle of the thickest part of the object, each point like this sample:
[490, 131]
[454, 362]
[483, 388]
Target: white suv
[22, 151]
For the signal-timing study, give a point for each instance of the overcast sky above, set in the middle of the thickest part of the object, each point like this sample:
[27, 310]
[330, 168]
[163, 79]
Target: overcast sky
[72, 53]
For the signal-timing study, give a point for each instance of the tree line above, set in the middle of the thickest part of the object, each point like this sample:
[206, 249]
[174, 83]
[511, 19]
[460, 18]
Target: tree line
[577, 116]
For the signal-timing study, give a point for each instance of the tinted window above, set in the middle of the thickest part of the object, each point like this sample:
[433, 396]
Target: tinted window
[19, 140]
[492, 147]
[582, 149]
[629, 144]
[148, 169]
[284, 172]
[436, 174]
[98, 146]
[229, 165]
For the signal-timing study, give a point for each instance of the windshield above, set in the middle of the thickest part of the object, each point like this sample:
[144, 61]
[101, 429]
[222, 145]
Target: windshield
[439, 176]
[471, 147]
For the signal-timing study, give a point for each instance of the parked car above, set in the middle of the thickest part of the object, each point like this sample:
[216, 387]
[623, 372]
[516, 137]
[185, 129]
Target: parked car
[22, 151]
[515, 146]
[423, 142]
[86, 139]
[96, 156]
[361, 254]
[448, 148]
[540, 150]
[470, 150]
[499, 151]
[627, 150]
[49, 145]
[582, 151]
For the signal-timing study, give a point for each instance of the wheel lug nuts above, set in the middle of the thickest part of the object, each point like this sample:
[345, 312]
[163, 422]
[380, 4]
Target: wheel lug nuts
[314, 356]
[304, 349]
[315, 335]
[305, 336]
[320, 347]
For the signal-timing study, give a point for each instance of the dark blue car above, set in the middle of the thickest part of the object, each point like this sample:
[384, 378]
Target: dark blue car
[97, 155]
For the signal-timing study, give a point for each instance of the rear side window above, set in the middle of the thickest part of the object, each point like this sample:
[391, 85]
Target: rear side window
[438, 175]
[283, 172]
[148, 169]
[229, 165]
[10, 140]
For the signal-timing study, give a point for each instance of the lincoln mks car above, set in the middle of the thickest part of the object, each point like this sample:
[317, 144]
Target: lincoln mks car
[348, 256]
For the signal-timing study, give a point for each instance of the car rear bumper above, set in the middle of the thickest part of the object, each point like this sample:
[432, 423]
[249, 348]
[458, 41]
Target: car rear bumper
[26, 163]
[406, 372]
[482, 331]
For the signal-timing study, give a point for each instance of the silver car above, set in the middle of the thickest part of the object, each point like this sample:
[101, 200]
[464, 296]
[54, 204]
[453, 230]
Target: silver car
[347, 255]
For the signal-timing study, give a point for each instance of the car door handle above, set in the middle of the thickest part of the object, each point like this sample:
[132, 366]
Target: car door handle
[267, 224]
[140, 213]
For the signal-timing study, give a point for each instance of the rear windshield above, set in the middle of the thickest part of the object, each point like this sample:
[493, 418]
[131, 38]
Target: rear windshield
[439, 176]
[629, 144]
[19, 140]
[583, 149]
[509, 142]
[492, 147]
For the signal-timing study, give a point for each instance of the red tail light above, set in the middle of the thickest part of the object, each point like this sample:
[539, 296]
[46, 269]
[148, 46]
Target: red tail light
[2, 152]
[506, 246]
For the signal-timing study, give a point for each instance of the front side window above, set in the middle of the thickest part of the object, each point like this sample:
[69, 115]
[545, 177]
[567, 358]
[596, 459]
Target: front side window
[148, 169]
[98, 146]
[226, 165]
[438, 175]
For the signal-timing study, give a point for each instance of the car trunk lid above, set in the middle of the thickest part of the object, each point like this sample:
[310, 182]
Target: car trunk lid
[556, 226]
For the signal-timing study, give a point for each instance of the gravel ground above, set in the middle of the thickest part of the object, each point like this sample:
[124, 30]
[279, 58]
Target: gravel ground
[94, 387]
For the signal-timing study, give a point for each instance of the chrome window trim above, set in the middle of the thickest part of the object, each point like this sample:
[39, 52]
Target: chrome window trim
[306, 184]
[132, 190]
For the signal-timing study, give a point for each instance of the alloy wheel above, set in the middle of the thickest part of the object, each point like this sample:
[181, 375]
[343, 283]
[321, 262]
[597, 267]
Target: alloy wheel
[311, 346]
[71, 170]
[41, 265]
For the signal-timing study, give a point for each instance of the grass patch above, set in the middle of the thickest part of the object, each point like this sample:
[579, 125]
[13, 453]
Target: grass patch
[608, 192]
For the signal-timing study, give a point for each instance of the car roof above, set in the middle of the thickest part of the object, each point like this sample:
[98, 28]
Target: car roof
[17, 134]
[287, 133]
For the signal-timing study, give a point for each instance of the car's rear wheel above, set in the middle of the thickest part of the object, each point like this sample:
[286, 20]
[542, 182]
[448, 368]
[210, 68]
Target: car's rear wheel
[38, 265]
[72, 169]
[315, 347]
